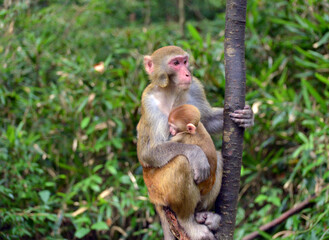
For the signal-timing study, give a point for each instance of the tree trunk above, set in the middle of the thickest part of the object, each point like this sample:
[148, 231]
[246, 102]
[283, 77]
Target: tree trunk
[235, 74]
[181, 16]
[147, 19]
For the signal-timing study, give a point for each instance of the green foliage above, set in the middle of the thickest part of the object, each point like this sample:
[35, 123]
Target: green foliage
[288, 71]
[71, 79]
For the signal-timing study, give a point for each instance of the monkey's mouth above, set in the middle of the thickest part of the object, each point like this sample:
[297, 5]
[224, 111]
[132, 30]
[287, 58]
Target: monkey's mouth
[184, 84]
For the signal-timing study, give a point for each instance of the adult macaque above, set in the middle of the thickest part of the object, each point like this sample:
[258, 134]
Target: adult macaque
[183, 196]
[172, 85]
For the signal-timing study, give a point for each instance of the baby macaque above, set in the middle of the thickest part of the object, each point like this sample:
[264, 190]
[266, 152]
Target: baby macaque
[185, 127]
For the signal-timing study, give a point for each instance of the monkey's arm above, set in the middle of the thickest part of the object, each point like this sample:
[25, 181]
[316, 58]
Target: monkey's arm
[212, 118]
[161, 154]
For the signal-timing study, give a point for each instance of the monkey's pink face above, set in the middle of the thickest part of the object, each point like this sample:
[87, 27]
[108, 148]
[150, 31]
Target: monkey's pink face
[179, 64]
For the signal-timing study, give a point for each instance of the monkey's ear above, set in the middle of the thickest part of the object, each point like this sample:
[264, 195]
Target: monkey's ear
[148, 63]
[191, 128]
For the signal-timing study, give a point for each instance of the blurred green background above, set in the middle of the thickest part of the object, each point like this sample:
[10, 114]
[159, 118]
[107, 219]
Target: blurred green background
[71, 79]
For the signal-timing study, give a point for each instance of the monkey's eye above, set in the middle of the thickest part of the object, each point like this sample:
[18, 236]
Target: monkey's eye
[185, 62]
[176, 62]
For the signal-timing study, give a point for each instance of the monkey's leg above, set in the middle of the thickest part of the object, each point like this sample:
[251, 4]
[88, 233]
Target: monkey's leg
[184, 200]
[195, 230]
[202, 216]
[173, 186]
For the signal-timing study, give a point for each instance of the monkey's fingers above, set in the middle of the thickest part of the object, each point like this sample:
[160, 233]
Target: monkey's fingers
[213, 221]
[242, 114]
[199, 164]
[246, 112]
[243, 122]
[201, 217]
[200, 175]
[210, 219]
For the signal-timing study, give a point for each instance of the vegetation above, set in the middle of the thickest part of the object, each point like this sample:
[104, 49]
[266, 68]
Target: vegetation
[71, 79]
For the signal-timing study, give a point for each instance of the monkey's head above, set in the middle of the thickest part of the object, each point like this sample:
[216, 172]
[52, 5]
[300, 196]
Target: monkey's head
[169, 65]
[184, 119]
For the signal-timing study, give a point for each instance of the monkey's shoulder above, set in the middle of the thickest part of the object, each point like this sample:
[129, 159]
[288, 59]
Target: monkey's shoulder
[196, 94]
[196, 85]
[150, 101]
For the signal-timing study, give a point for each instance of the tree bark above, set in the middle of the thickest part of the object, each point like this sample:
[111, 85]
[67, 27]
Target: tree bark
[176, 229]
[181, 16]
[235, 87]
[147, 19]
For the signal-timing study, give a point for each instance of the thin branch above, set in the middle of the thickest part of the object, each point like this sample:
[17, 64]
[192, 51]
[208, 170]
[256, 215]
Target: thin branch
[176, 229]
[282, 218]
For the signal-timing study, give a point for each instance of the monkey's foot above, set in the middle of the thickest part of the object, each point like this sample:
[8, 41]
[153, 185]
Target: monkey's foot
[210, 219]
[196, 231]
[199, 232]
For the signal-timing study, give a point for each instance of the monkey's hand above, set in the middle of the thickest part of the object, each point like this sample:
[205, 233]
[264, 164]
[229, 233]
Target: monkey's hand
[244, 118]
[199, 164]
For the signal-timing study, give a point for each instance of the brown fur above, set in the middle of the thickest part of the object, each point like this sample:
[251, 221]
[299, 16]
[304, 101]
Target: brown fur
[202, 139]
[173, 186]
[183, 115]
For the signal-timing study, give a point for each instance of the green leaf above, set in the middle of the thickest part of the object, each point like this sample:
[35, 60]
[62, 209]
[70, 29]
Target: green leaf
[265, 235]
[279, 119]
[83, 104]
[112, 170]
[305, 63]
[82, 220]
[194, 33]
[275, 200]
[312, 165]
[95, 187]
[85, 122]
[11, 134]
[285, 22]
[81, 232]
[100, 226]
[306, 97]
[322, 41]
[302, 137]
[260, 198]
[44, 195]
[326, 175]
[322, 78]
[125, 179]
[314, 93]
[117, 143]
